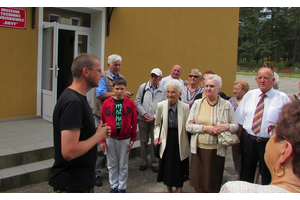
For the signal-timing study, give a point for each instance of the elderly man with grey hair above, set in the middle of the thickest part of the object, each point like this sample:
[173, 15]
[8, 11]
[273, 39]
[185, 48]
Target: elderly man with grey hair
[102, 92]
[257, 115]
[147, 97]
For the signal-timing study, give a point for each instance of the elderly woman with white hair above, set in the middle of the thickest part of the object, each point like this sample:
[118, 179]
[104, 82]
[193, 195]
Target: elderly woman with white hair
[205, 122]
[171, 116]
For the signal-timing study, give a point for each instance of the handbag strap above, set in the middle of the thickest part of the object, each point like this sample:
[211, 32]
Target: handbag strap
[221, 114]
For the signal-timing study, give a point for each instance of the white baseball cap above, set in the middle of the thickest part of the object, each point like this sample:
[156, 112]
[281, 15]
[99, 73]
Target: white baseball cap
[156, 71]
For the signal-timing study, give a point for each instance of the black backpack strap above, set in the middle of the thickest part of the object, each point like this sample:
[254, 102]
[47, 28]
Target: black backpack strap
[142, 99]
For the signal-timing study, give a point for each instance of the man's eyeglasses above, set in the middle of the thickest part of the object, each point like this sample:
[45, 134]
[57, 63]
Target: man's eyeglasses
[195, 76]
[98, 70]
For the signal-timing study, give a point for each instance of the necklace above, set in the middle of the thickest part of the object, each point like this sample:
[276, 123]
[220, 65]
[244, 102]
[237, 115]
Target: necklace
[294, 187]
[212, 105]
[192, 94]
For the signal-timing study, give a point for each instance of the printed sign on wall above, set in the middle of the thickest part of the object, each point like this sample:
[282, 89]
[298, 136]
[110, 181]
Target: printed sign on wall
[13, 17]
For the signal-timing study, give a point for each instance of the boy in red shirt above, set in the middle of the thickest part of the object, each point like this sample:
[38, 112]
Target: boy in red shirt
[119, 112]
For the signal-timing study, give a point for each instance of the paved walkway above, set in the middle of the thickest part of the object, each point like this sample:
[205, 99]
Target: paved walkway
[138, 181]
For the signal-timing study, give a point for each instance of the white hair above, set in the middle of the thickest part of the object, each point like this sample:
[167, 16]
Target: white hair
[196, 71]
[114, 58]
[216, 78]
[276, 82]
[175, 83]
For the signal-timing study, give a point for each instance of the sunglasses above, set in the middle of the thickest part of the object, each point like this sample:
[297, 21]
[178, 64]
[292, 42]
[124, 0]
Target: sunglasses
[195, 76]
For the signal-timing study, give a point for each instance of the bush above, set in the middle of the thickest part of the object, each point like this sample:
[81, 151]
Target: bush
[289, 64]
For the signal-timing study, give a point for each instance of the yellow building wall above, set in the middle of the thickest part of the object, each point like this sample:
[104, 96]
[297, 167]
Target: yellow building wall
[202, 38]
[18, 63]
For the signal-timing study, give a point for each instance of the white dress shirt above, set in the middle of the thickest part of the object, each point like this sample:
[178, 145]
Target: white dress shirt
[272, 107]
[167, 78]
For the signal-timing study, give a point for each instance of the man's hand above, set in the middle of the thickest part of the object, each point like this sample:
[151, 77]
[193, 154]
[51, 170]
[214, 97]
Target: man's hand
[130, 146]
[148, 118]
[128, 94]
[103, 147]
[103, 131]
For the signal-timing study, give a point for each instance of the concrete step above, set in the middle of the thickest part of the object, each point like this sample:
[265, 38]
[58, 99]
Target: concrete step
[21, 158]
[31, 173]
[25, 168]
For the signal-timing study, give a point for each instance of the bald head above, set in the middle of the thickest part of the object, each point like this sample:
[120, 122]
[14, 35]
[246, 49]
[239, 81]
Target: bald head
[175, 71]
[265, 79]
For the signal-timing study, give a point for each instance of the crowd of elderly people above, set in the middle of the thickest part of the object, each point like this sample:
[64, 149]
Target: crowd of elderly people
[190, 119]
[185, 119]
[190, 127]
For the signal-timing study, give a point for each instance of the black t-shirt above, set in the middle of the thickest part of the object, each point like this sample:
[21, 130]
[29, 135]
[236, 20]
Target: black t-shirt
[73, 111]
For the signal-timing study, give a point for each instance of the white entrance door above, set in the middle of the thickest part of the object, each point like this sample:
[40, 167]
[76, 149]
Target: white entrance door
[49, 69]
[50, 57]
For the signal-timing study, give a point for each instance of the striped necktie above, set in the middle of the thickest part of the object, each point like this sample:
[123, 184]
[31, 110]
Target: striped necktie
[259, 111]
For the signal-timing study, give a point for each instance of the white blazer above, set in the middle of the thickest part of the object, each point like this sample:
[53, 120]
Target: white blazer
[183, 113]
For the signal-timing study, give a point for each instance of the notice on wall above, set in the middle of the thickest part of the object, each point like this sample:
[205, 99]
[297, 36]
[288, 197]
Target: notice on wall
[13, 17]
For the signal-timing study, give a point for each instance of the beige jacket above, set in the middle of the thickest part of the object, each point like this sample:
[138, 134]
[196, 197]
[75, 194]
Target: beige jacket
[196, 129]
[183, 112]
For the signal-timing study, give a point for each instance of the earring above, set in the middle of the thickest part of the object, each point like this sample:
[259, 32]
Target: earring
[283, 171]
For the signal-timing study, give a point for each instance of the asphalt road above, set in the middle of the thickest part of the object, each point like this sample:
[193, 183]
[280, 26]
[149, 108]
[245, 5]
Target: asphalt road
[286, 85]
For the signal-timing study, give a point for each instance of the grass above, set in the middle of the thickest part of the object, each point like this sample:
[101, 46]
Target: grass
[293, 75]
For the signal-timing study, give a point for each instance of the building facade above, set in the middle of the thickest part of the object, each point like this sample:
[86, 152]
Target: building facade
[35, 61]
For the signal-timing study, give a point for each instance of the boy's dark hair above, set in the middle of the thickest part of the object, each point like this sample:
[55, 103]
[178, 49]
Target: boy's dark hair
[120, 81]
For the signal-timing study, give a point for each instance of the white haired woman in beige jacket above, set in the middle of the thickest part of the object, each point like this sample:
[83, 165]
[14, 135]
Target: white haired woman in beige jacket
[208, 157]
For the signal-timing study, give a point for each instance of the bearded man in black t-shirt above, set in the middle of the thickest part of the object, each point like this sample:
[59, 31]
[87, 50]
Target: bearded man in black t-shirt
[75, 136]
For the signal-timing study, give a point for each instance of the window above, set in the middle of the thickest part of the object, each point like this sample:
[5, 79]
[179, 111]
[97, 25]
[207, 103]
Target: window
[75, 21]
[54, 18]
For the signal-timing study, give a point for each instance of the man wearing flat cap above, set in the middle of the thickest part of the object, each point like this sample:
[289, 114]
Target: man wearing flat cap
[148, 95]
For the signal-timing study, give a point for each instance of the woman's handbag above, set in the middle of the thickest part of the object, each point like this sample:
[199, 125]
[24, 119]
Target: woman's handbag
[157, 147]
[227, 138]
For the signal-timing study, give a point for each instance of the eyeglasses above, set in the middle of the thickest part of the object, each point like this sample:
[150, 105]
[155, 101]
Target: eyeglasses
[236, 89]
[271, 131]
[98, 70]
[195, 76]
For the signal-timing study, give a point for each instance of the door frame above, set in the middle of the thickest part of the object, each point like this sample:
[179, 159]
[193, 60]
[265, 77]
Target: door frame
[95, 35]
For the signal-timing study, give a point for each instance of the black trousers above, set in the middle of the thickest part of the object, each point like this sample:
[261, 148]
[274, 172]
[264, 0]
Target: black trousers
[253, 152]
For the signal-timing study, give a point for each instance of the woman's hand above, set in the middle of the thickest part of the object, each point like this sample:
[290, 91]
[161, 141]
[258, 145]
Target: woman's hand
[156, 141]
[213, 130]
[222, 127]
[217, 129]
[192, 122]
